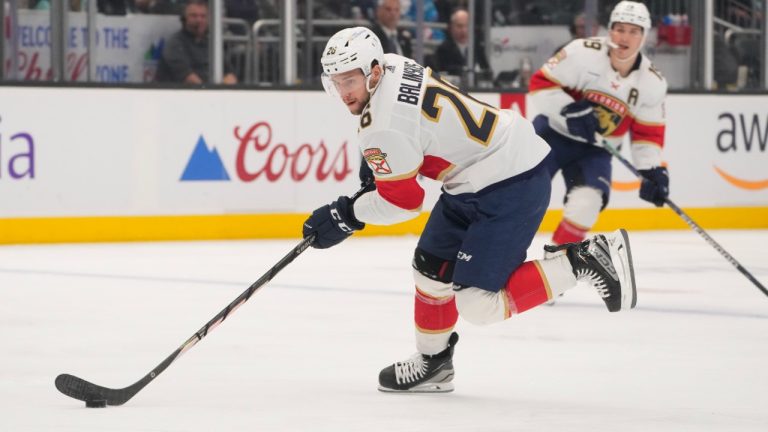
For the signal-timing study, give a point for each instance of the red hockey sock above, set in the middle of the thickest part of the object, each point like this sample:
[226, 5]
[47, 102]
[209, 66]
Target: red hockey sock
[569, 232]
[527, 288]
[435, 314]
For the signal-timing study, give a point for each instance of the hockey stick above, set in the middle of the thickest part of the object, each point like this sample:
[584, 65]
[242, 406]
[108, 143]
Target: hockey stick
[97, 396]
[694, 226]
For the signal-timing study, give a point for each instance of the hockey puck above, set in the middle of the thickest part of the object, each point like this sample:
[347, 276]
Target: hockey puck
[96, 403]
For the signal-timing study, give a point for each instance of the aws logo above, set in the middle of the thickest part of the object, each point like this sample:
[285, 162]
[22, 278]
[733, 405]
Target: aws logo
[742, 134]
[17, 154]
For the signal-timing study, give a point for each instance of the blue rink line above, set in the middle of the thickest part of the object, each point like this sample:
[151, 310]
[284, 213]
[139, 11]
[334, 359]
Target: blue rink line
[244, 285]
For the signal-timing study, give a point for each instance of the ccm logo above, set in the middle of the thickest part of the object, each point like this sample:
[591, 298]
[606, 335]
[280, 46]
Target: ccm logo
[342, 226]
[606, 262]
[463, 257]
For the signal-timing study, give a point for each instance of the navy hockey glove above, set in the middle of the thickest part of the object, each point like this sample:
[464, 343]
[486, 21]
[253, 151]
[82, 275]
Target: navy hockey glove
[366, 177]
[655, 185]
[581, 120]
[332, 223]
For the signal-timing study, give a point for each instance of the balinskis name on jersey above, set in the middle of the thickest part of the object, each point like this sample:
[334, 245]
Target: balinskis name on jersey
[631, 104]
[417, 124]
[409, 92]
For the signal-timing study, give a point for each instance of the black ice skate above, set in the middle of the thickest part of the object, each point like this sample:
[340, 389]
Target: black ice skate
[421, 373]
[606, 263]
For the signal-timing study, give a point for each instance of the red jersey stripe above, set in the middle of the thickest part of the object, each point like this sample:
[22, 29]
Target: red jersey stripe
[539, 81]
[623, 127]
[404, 193]
[651, 133]
[435, 167]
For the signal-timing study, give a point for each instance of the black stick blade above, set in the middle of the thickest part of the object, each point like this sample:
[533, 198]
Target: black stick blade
[85, 391]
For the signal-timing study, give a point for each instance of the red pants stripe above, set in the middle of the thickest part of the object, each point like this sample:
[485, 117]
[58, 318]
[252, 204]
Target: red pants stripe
[527, 287]
[435, 314]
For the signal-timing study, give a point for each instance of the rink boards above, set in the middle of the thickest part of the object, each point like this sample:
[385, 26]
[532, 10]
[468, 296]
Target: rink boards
[87, 164]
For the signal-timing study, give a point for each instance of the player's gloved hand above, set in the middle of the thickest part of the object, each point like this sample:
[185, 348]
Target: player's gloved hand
[655, 185]
[581, 120]
[332, 223]
[366, 177]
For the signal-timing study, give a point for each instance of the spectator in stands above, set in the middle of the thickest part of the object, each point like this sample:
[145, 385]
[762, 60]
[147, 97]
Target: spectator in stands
[385, 27]
[726, 64]
[185, 56]
[446, 7]
[499, 11]
[451, 56]
[578, 29]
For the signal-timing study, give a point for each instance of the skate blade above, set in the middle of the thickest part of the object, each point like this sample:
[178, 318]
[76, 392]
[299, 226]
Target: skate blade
[422, 388]
[625, 269]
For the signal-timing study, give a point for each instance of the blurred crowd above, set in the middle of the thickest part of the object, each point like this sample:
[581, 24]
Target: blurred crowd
[446, 34]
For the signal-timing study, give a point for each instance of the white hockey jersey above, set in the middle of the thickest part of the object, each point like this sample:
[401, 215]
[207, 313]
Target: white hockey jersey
[633, 104]
[416, 123]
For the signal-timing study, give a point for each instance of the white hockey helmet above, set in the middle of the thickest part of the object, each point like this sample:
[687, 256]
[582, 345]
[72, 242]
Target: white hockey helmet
[631, 12]
[352, 48]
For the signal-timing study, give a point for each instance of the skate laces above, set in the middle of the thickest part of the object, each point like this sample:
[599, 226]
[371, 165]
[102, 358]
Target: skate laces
[410, 370]
[594, 279]
[597, 249]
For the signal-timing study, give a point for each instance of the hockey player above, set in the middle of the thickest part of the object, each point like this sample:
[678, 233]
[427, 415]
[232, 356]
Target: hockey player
[598, 89]
[470, 259]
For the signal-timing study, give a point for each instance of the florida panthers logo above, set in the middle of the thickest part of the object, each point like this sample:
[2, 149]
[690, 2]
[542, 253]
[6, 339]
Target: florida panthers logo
[610, 111]
[377, 160]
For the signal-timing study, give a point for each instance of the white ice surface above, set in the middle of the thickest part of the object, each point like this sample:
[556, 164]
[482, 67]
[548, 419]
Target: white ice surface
[305, 352]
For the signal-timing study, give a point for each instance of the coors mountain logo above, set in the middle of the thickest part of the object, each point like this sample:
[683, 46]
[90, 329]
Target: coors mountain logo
[259, 155]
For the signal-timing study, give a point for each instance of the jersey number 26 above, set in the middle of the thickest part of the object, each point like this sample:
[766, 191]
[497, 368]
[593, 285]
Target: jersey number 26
[479, 130]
